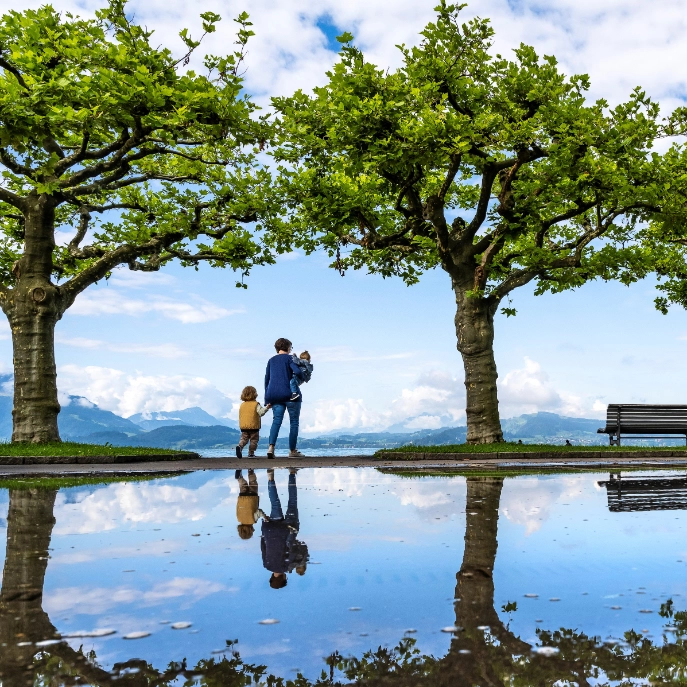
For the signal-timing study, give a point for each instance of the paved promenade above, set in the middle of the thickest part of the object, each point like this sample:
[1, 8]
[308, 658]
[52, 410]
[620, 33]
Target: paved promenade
[592, 460]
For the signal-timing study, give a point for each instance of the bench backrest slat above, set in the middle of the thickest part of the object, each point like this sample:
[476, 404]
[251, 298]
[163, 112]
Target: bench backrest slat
[666, 419]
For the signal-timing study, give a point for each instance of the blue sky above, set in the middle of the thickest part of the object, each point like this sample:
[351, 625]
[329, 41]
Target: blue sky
[383, 353]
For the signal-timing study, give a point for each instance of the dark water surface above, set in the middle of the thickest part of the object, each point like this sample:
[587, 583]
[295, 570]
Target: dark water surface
[542, 580]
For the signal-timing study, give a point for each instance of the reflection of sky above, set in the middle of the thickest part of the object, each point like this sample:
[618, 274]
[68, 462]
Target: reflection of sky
[124, 556]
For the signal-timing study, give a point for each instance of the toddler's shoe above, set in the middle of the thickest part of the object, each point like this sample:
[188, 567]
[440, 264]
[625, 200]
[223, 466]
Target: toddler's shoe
[239, 453]
[251, 455]
[237, 474]
[294, 397]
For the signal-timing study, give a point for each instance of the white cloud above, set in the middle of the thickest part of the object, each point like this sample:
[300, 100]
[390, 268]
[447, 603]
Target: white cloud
[98, 600]
[163, 350]
[529, 501]
[133, 279]
[106, 301]
[106, 508]
[330, 415]
[126, 394]
[529, 390]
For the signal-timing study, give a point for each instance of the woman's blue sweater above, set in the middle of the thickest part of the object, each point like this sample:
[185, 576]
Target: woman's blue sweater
[280, 369]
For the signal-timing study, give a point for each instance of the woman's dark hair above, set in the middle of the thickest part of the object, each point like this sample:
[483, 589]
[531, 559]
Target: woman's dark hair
[249, 393]
[278, 582]
[282, 345]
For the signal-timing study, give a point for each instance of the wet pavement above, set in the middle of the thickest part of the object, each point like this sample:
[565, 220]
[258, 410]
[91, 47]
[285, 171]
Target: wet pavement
[207, 576]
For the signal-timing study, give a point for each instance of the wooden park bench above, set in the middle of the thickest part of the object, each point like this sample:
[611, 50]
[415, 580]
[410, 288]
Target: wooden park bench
[644, 422]
[645, 493]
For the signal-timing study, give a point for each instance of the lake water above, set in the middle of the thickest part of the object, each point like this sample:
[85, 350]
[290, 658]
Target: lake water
[550, 579]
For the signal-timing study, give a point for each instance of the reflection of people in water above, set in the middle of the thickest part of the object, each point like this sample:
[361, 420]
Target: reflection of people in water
[247, 504]
[281, 551]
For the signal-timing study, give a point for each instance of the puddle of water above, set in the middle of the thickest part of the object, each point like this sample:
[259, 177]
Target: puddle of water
[536, 579]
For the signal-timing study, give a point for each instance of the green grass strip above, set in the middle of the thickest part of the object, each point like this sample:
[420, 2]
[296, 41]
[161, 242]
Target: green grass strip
[511, 447]
[72, 481]
[70, 448]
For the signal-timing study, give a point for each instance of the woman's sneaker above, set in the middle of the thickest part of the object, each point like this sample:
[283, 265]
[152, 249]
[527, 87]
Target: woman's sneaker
[296, 454]
[239, 453]
[270, 454]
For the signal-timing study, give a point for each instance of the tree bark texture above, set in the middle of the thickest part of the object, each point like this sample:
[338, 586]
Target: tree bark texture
[30, 523]
[475, 333]
[33, 308]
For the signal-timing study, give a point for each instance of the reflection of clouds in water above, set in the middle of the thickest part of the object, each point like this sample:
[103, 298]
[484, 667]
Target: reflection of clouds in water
[138, 502]
[528, 501]
[343, 481]
[432, 498]
[98, 600]
[152, 548]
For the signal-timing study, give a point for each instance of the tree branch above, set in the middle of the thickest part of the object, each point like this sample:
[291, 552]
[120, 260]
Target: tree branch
[517, 279]
[450, 175]
[15, 166]
[12, 199]
[14, 71]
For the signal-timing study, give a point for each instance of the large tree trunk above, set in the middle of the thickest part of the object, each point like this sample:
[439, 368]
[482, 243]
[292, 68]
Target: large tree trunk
[22, 619]
[475, 332]
[33, 308]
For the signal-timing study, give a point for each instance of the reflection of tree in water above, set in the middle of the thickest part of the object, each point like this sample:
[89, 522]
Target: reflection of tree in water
[483, 653]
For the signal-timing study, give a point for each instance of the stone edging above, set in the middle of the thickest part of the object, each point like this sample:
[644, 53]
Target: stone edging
[608, 456]
[95, 460]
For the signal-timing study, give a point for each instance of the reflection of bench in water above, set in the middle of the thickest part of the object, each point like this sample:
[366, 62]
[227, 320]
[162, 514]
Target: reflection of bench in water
[645, 493]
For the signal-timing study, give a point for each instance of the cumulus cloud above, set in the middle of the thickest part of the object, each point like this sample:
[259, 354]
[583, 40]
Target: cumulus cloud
[127, 394]
[99, 600]
[107, 301]
[530, 501]
[106, 508]
[529, 390]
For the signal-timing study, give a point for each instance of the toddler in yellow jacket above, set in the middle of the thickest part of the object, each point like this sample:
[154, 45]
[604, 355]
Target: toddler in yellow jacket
[250, 414]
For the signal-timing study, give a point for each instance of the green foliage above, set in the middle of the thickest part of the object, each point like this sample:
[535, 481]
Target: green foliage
[497, 169]
[510, 447]
[142, 158]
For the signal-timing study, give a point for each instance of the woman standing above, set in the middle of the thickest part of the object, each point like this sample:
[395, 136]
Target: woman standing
[280, 370]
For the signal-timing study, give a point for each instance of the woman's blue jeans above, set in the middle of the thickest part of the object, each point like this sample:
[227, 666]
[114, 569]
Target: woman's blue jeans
[278, 410]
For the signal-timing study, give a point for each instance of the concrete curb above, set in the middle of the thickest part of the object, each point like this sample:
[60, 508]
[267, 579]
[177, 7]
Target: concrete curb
[96, 460]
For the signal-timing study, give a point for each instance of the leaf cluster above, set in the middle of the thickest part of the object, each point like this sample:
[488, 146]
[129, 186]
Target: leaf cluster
[495, 168]
[140, 159]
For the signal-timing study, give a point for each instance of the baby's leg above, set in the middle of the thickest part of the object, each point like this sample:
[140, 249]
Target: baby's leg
[293, 385]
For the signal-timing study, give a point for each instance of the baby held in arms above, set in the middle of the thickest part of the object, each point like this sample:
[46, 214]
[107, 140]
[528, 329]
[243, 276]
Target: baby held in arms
[303, 361]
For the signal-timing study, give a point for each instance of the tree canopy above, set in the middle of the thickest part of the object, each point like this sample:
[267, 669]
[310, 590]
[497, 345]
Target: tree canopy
[145, 161]
[497, 169]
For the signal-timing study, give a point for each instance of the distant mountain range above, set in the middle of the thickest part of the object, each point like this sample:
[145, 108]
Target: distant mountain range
[194, 428]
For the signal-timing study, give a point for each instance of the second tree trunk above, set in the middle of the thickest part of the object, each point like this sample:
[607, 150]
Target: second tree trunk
[475, 332]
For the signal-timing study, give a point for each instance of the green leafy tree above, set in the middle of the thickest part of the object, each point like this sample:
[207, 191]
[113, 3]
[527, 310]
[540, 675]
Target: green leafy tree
[141, 158]
[499, 171]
